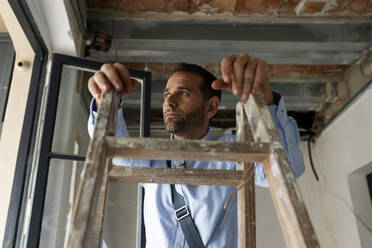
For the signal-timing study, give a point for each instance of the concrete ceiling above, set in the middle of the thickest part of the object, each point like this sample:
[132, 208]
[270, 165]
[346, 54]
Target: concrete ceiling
[308, 43]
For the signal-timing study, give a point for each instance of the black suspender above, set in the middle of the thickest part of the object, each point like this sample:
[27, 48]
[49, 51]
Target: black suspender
[183, 216]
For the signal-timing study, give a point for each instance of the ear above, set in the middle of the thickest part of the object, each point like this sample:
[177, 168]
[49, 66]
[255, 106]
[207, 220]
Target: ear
[212, 106]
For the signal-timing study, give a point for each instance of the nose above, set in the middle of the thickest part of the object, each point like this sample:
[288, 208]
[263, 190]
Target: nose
[171, 101]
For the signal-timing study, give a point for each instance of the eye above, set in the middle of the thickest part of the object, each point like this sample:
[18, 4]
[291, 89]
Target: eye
[166, 95]
[184, 93]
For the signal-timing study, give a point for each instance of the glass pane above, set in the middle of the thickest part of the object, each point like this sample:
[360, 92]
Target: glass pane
[6, 67]
[121, 212]
[63, 181]
[73, 111]
[132, 111]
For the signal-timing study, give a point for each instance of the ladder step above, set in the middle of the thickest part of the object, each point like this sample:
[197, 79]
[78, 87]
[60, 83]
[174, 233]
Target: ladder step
[175, 176]
[195, 150]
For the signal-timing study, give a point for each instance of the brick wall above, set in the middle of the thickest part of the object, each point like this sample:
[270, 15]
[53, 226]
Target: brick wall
[236, 7]
[337, 95]
[292, 71]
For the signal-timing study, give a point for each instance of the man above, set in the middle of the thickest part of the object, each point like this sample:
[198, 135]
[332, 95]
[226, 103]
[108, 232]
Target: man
[191, 99]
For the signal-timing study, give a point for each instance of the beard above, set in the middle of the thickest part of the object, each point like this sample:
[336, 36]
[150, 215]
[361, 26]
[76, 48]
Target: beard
[185, 122]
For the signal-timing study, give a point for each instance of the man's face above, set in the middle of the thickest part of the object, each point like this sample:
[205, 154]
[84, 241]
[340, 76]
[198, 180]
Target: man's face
[184, 107]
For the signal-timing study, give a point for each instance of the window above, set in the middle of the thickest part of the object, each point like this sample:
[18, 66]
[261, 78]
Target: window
[64, 144]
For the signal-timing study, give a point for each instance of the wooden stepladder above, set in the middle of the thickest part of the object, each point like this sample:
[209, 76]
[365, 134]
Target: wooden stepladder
[257, 141]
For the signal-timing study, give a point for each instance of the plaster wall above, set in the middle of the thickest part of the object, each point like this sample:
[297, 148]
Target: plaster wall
[13, 121]
[52, 20]
[342, 157]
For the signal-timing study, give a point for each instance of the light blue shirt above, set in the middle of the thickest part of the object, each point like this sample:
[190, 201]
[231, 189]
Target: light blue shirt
[205, 203]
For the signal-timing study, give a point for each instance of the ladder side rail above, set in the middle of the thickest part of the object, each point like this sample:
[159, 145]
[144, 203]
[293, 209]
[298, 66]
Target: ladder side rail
[246, 203]
[290, 207]
[85, 206]
[96, 238]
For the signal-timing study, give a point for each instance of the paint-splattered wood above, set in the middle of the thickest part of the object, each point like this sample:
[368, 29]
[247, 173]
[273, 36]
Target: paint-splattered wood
[294, 219]
[175, 176]
[85, 207]
[246, 195]
[199, 150]
[95, 239]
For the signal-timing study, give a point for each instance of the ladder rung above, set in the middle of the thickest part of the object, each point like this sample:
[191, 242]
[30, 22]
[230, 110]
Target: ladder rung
[196, 150]
[175, 176]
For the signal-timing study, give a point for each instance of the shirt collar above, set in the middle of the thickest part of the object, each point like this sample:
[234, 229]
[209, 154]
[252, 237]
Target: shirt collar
[208, 136]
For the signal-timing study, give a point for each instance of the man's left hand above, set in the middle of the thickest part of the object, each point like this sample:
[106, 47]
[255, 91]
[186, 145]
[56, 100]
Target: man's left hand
[245, 75]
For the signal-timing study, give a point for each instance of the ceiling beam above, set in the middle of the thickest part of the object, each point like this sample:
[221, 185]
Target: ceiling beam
[208, 42]
[226, 17]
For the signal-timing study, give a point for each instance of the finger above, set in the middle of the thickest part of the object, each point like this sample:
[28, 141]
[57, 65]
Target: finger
[132, 84]
[219, 84]
[261, 70]
[125, 78]
[94, 89]
[112, 75]
[226, 68]
[239, 66]
[247, 85]
[249, 75]
[101, 81]
[135, 83]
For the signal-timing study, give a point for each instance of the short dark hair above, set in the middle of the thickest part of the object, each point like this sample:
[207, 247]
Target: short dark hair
[208, 78]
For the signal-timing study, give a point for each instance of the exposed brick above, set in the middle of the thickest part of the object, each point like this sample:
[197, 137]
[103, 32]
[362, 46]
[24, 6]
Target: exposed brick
[269, 7]
[276, 70]
[281, 70]
[335, 69]
[154, 5]
[288, 7]
[313, 7]
[358, 7]
[270, 69]
[298, 70]
[91, 4]
[339, 7]
[225, 6]
[136, 65]
[315, 70]
[246, 6]
[178, 5]
[343, 92]
[200, 5]
[100, 4]
[156, 68]
[213, 68]
[130, 5]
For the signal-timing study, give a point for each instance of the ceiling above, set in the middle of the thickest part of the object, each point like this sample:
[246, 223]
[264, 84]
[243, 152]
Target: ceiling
[308, 44]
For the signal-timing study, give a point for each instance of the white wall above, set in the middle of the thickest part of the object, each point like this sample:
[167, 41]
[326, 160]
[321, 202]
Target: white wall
[342, 156]
[55, 27]
[343, 148]
[16, 107]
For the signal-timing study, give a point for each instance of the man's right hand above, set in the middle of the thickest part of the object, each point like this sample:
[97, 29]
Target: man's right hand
[110, 76]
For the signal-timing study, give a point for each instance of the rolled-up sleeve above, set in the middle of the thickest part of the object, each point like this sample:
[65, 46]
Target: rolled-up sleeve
[121, 126]
[121, 131]
[288, 133]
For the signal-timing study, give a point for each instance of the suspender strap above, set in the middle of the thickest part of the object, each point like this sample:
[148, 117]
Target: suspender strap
[183, 216]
